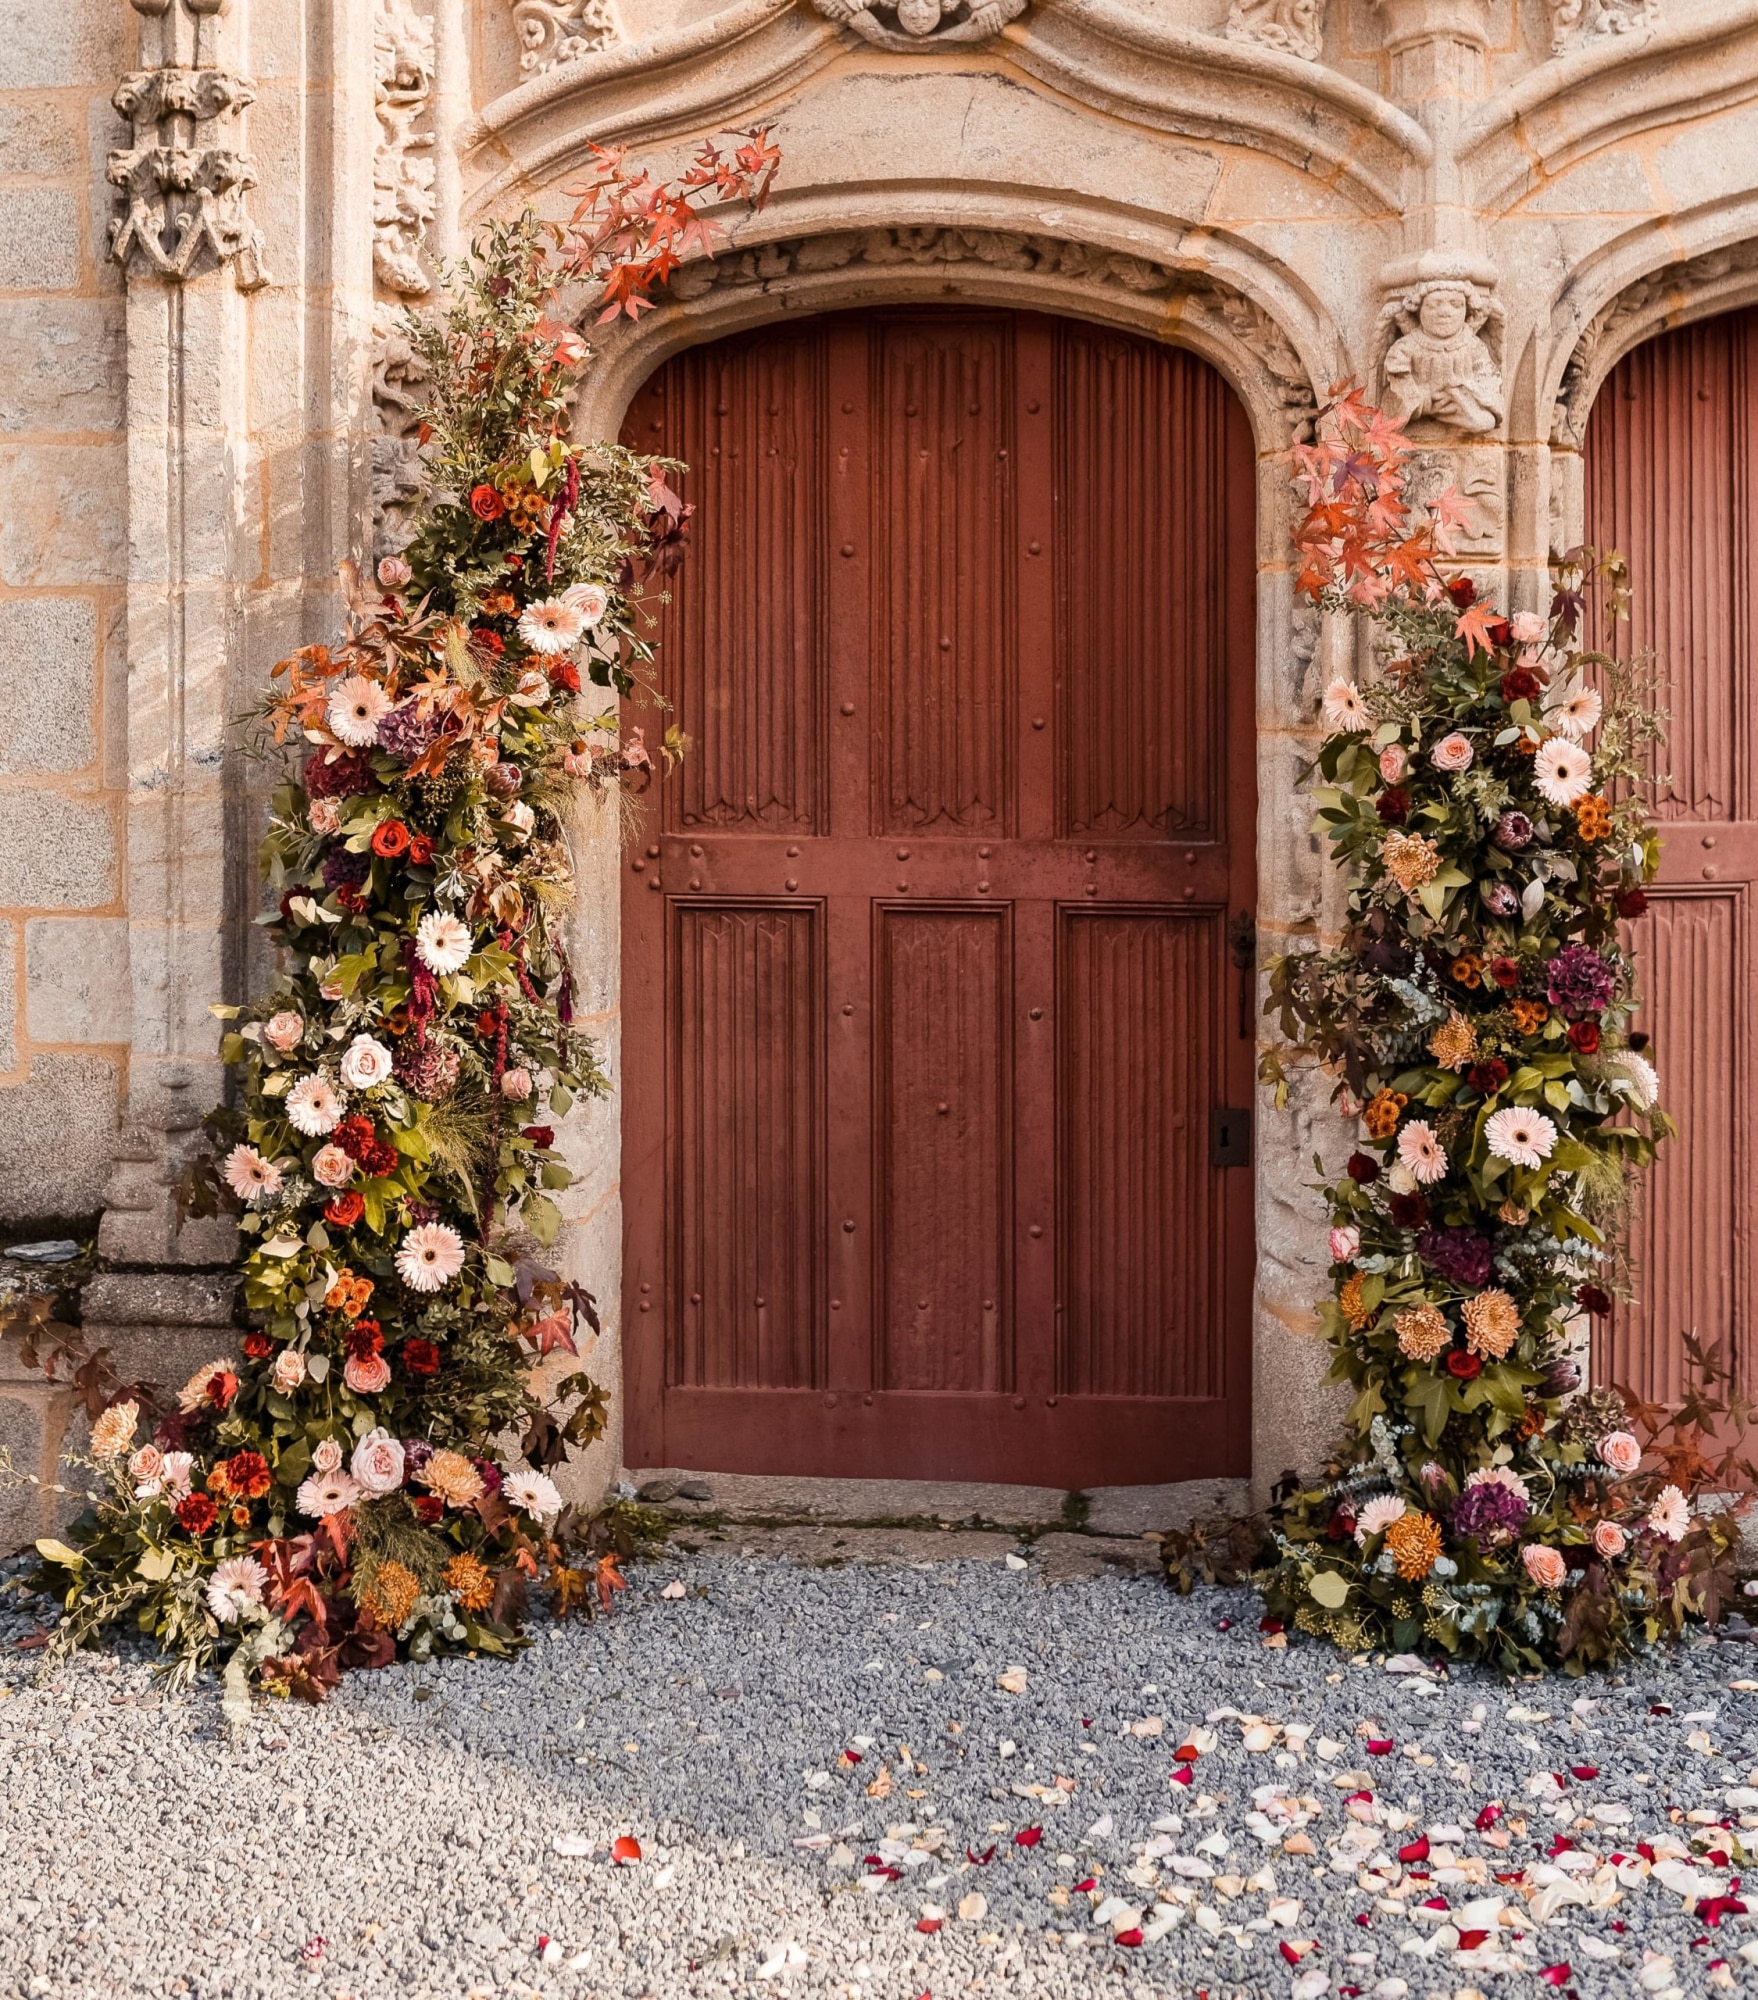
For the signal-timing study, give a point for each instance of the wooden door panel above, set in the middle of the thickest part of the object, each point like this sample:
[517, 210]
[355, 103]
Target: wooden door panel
[747, 1010]
[944, 1115]
[942, 510]
[932, 1063]
[1672, 483]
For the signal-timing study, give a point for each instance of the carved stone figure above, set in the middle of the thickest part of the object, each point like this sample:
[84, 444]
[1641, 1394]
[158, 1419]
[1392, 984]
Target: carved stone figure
[180, 185]
[1440, 366]
[398, 373]
[1599, 17]
[1295, 26]
[403, 167]
[907, 24]
[552, 32]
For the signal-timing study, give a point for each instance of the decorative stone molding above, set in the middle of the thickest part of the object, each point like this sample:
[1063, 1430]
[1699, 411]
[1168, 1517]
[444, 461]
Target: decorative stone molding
[181, 184]
[552, 32]
[1477, 474]
[403, 165]
[1233, 319]
[903, 25]
[1294, 26]
[1439, 342]
[398, 372]
[1599, 17]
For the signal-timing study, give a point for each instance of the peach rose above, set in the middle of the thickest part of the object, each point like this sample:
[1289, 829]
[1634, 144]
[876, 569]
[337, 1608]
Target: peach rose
[324, 816]
[288, 1371]
[1610, 1540]
[1345, 1242]
[516, 1084]
[1393, 763]
[1545, 1567]
[284, 1030]
[1527, 627]
[1621, 1452]
[331, 1167]
[1452, 753]
[327, 1458]
[367, 1374]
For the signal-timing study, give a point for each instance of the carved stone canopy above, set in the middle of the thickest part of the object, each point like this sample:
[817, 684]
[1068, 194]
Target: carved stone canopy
[905, 25]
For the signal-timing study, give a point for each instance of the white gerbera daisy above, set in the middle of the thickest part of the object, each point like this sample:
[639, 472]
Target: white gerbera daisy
[1376, 1517]
[1562, 771]
[591, 600]
[551, 625]
[531, 1492]
[442, 942]
[1521, 1137]
[1422, 1152]
[356, 708]
[1576, 712]
[431, 1256]
[1344, 708]
[314, 1106]
[236, 1585]
[1671, 1514]
[326, 1493]
[250, 1177]
[1635, 1076]
[366, 1062]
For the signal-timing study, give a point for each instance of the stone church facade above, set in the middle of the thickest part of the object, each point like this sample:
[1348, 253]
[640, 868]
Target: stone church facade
[212, 212]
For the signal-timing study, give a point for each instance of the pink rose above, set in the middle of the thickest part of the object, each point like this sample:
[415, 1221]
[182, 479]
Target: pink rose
[367, 1374]
[394, 572]
[147, 1469]
[1545, 1567]
[1345, 1241]
[288, 1371]
[284, 1031]
[327, 1458]
[516, 1084]
[378, 1460]
[1452, 753]
[1621, 1452]
[323, 816]
[1393, 763]
[1528, 628]
[331, 1167]
[1610, 1540]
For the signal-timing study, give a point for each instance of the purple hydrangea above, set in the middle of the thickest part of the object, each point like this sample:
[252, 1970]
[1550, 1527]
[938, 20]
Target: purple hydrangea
[1513, 832]
[1490, 1512]
[405, 732]
[1461, 1256]
[1581, 981]
[343, 870]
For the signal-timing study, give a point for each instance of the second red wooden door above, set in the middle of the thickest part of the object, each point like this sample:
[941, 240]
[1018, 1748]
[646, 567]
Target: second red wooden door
[936, 974]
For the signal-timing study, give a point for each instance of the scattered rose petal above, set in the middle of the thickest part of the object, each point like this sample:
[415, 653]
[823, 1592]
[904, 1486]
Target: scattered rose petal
[1555, 1975]
[572, 1844]
[625, 1848]
[974, 1907]
[674, 1589]
[1028, 1836]
[1013, 1680]
[1380, 1746]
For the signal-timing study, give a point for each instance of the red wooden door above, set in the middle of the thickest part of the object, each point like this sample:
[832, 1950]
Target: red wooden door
[929, 996]
[1672, 482]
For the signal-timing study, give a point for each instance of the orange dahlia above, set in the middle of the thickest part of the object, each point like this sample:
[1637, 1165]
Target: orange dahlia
[1415, 1544]
[470, 1583]
[1381, 1112]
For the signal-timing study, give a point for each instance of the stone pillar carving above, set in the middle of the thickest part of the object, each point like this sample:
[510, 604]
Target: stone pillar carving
[1599, 17]
[403, 166]
[181, 185]
[560, 31]
[1295, 26]
[190, 254]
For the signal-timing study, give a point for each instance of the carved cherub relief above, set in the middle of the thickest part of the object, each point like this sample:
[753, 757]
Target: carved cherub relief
[1443, 364]
[911, 24]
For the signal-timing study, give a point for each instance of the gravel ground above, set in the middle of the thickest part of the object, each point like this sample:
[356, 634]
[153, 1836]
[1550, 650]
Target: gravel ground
[446, 1830]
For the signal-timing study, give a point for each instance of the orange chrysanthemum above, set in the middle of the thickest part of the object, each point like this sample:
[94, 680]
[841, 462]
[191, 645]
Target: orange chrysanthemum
[1492, 1324]
[1415, 1544]
[1467, 970]
[1423, 1332]
[348, 1295]
[1454, 1043]
[1355, 1312]
[1411, 860]
[1381, 1112]
[390, 1595]
[471, 1585]
[1529, 1015]
[1593, 818]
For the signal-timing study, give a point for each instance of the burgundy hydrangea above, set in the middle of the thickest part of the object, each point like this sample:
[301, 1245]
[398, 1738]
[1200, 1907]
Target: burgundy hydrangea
[342, 870]
[1490, 1512]
[1461, 1256]
[1513, 832]
[405, 732]
[342, 777]
[1581, 981]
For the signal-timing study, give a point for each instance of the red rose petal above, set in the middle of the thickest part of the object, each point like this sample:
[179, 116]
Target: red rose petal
[1470, 1940]
[625, 1848]
[1288, 1952]
[1554, 1975]
[1182, 1775]
[1380, 1746]
[1584, 1771]
[1487, 1818]
[1416, 1850]
[1028, 1836]
[1187, 1753]
[1091, 1882]
[980, 1860]
[1435, 1903]
[929, 1925]
[1129, 1937]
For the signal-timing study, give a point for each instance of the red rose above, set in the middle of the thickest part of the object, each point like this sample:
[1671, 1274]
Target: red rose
[1591, 1299]
[1409, 1211]
[344, 1210]
[420, 850]
[1463, 1365]
[1505, 972]
[491, 641]
[197, 1513]
[1487, 1077]
[1519, 684]
[488, 1024]
[1393, 805]
[1462, 591]
[420, 1357]
[540, 1135]
[365, 1339]
[566, 676]
[1363, 1169]
[258, 1346]
[390, 838]
[351, 899]
[429, 1508]
[222, 1387]
[247, 1473]
[1584, 1037]
[1340, 1526]
[1632, 903]
[486, 504]
[1501, 633]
